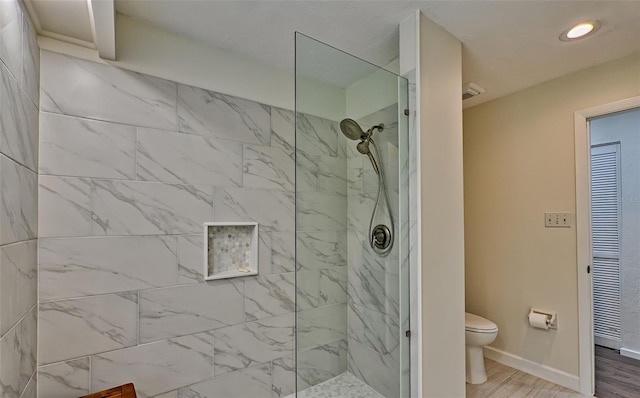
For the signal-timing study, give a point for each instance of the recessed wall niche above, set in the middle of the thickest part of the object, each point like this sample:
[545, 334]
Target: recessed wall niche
[230, 250]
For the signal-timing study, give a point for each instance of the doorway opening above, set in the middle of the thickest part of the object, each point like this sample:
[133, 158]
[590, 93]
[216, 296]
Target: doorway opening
[607, 247]
[615, 247]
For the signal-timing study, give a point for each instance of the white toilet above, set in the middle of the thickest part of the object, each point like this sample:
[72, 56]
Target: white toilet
[478, 332]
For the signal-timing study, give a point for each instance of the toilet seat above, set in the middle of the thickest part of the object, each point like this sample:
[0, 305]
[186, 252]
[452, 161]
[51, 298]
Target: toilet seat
[477, 324]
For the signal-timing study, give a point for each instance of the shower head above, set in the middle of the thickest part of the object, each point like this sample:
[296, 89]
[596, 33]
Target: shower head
[351, 129]
[363, 147]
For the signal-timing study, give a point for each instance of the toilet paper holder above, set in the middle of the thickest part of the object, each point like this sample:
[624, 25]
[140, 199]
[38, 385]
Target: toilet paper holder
[551, 317]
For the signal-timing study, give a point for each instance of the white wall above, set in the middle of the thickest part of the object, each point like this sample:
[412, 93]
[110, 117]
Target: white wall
[153, 51]
[372, 93]
[624, 128]
[518, 164]
[442, 224]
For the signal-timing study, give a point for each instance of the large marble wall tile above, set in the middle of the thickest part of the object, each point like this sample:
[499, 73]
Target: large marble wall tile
[283, 376]
[64, 206]
[273, 210]
[87, 326]
[356, 323]
[217, 115]
[321, 211]
[72, 146]
[332, 175]
[93, 90]
[11, 35]
[376, 331]
[18, 122]
[190, 259]
[242, 346]
[268, 168]
[184, 158]
[320, 250]
[321, 363]
[377, 291]
[269, 296]
[322, 325]
[372, 261]
[18, 282]
[18, 202]
[370, 182]
[283, 132]
[356, 243]
[31, 390]
[333, 286]
[382, 333]
[249, 382]
[18, 352]
[30, 79]
[264, 252]
[307, 289]
[145, 208]
[64, 379]
[282, 252]
[377, 370]
[355, 179]
[306, 172]
[360, 207]
[183, 310]
[72, 267]
[156, 368]
[316, 135]
[343, 142]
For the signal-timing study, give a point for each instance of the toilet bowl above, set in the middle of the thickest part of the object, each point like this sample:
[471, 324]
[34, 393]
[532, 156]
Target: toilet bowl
[478, 332]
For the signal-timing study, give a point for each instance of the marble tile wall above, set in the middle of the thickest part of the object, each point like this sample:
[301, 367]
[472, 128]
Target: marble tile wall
[131, 167]
[373, 309]
[19, 80]
[321, 250]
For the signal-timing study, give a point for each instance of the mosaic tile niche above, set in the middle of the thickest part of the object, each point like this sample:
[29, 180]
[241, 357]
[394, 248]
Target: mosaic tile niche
[231, 250]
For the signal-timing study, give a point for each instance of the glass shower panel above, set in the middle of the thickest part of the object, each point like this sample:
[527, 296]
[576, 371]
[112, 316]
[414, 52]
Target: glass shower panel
[352, 230]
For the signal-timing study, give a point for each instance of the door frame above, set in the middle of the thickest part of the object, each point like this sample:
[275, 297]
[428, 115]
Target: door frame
[583, 234]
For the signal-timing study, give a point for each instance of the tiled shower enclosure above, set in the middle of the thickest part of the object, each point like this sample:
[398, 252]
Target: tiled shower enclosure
[107, 178]
[131, 168]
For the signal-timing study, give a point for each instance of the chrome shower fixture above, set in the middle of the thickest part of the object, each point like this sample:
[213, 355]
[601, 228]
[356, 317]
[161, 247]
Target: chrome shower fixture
[381, 236]
[352, 130]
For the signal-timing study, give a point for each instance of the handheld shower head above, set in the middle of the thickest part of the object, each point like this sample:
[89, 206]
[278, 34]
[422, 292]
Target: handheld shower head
[363, 147]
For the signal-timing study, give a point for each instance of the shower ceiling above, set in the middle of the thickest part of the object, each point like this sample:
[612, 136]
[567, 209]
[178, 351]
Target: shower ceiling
[507, 45]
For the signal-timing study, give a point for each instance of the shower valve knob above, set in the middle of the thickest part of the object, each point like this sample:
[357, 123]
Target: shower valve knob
[381, 237]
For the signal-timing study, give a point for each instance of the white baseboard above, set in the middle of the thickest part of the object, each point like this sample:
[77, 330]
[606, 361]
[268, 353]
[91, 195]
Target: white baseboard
[542, 371]
[625, 352]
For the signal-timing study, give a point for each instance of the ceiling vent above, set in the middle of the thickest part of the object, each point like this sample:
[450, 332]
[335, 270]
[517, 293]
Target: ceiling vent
[470, 90]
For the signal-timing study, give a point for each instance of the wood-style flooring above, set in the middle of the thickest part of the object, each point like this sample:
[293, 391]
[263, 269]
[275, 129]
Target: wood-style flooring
[616, 376]
[506, 382]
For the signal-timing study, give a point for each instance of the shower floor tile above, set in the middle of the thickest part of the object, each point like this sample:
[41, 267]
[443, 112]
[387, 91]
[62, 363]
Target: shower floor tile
[345, 385]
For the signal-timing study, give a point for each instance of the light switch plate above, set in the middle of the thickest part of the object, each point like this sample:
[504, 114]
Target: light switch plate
[557, 220]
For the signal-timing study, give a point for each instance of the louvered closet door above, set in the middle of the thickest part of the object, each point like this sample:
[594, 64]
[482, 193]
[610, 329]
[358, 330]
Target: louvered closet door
[605, 214]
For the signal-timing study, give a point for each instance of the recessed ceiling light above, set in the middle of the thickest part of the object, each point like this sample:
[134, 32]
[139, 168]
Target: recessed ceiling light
[580, 30]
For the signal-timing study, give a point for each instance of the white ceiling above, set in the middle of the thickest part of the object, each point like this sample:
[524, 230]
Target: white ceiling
[508, 45]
